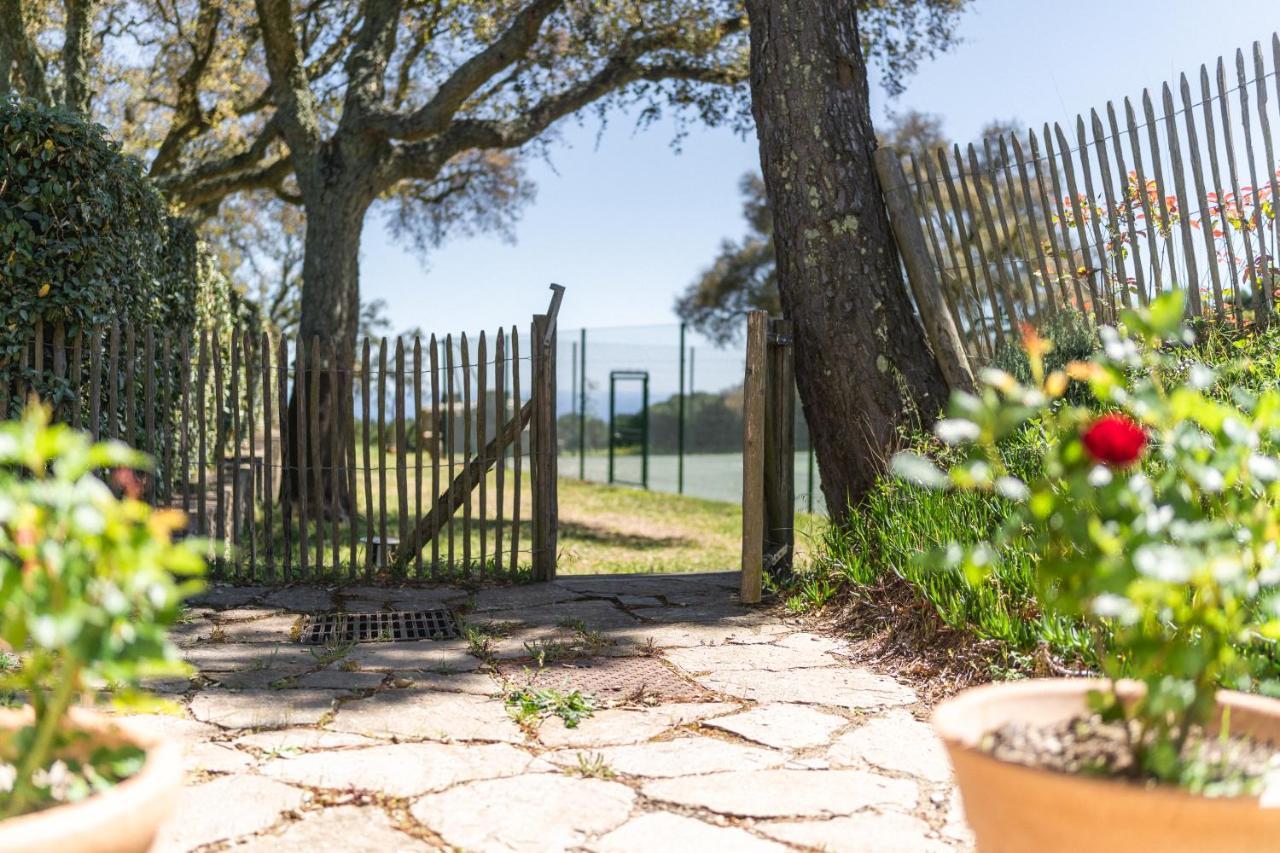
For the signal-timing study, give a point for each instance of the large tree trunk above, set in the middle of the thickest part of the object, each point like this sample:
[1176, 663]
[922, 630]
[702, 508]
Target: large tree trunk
[863, 367]
[330, 314]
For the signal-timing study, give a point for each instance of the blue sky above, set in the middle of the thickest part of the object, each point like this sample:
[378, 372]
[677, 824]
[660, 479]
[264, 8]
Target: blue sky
[626, 223]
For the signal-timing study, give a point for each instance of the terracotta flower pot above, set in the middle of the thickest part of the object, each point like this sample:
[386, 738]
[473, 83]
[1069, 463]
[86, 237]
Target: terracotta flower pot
[123, 820]
[1016, 808]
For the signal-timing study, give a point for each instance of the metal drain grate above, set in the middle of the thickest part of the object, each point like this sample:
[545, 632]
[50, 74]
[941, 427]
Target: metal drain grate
[331, 628]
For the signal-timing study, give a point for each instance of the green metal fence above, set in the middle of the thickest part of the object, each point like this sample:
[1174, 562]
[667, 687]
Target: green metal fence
[691, 406]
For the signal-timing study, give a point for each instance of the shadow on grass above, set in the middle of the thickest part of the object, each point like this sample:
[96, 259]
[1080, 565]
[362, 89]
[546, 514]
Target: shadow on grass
[599, 535]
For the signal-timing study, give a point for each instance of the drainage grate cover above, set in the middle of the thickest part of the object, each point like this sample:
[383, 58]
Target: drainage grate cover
[610, 679]
[332, 628]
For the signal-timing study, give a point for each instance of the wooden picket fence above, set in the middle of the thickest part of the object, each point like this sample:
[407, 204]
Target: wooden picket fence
[1176, 191]
[439, 464]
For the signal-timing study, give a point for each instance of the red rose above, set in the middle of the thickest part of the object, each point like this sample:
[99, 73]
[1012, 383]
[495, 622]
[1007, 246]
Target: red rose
[1115, 440]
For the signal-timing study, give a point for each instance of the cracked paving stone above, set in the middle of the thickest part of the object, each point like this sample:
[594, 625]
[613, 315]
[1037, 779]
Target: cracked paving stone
[786, 793]
[339, 829]
[594, 615]
[426, 598]
[624, 725]
[869, 832]
[955, 826]
[430, 655]
[215, 758]
[675, 633]
[782, 726]
[271, 629]
[685, 756]
[639, 602]
[896, 741]
[478, 683]
[226, 808]
[414, 714]
[256, 679]
[242, 614]
[262, 709]
[291, 740]
[805, 641]
[404, 770]
[235, 657]
[752, 658]
[676, 832]
[168, 726]
[835, 686]
[220, 596]
[302, 599]
[519, 597]
[340, 679]
[527, 813]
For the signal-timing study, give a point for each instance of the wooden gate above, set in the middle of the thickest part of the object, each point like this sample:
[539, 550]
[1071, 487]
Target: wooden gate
[768, 454]
[418, 472]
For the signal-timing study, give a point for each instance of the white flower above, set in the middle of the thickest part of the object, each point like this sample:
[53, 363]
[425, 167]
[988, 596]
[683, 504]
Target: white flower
[1163, 562]
[918, 470]
[1158, 519]
[1111, 606]
[956, 431]
[1012, 488]
[1099, 476]
[1200, 377]
[1265, 468]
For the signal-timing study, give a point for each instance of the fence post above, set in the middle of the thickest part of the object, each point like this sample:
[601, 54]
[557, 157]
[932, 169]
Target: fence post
[940, 329]
[779, 450]
[544, 449]
[680, 420]
[582, 404]
[753, 461]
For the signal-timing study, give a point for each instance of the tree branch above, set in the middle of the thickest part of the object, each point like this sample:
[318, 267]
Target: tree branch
[188, 119]
[510, 47]
[424, 159]
[367, 63]
[290, 86]
[211, 189]
[196, 184]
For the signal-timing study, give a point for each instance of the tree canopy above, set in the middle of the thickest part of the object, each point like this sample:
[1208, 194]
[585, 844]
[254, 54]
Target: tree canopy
[448, 94]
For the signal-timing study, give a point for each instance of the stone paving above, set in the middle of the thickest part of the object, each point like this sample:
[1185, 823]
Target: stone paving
[781, 743]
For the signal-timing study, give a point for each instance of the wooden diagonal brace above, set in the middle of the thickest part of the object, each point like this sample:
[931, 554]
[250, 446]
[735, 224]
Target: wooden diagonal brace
[452, 498]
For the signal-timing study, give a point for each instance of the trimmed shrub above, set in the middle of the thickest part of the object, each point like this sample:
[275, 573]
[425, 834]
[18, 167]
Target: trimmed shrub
[87, 238]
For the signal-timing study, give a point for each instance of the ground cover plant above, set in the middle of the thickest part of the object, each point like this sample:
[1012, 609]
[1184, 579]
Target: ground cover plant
[999, 614]
[1171, 566]
[89, 584]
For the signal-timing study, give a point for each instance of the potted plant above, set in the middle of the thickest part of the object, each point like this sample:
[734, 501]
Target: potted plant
[1155, 518]
[89, 582]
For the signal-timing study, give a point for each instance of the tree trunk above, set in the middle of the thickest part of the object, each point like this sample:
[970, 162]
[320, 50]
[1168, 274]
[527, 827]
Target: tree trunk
[863, 367]
[330, 311]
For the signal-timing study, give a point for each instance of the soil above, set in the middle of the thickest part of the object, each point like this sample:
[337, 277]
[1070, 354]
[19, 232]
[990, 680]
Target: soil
[1089, 745]
[893, 631]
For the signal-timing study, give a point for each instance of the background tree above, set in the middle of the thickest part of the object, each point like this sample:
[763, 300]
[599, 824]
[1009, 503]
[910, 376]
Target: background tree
[744, 275]
[863, 367]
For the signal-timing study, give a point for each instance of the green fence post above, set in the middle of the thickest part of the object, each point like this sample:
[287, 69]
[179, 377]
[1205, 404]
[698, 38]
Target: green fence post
[644, 435]
[810, 470]
[680, 424]
[573, 389]
[612, 405]
[582, 404]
